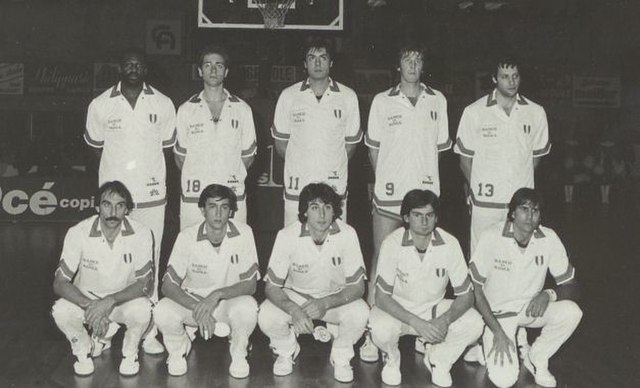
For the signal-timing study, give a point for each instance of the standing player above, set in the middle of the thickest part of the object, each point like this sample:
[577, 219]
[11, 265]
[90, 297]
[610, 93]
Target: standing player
[501, 138]
[408, 127]
[211, 275]
[509, 267]
[105, 275]
[216, 139]
[316, 272]
[416, 263]
[128, 125]
[316, 128]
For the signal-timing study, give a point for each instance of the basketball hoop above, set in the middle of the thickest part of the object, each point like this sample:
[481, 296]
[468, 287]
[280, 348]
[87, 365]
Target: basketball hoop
[273, 12]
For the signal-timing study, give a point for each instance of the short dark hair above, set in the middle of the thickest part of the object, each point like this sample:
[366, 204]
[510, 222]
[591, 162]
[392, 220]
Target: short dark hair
[521, 197]
[218, 191]
[115, 187]
[504, 61]
[410, 47]
[415, 199]
[315, 43]
[320, 191]
[137, 51]
[214, 49]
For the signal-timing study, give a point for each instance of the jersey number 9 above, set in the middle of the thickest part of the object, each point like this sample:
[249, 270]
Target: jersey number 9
[389, 188]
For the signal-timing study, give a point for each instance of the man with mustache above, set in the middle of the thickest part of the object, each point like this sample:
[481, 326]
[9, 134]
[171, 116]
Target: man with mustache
[509, 268]
[128, 126]
[105, 278]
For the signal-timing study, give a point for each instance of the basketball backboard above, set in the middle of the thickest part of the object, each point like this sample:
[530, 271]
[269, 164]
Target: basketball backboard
[303, 15]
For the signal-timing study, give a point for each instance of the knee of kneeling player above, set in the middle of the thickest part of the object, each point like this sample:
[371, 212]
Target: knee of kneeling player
[63, 311]
[139, 311]
[572, 311]
[357, 314]
[245, 309]
[271, 317]
[162, 314]
[504, 377]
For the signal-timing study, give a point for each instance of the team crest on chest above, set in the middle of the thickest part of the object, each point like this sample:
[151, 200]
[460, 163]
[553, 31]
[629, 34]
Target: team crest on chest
[441, 272]
[235, 259]
[434, 115]
[527, 129]
[127, 258]
[337, 113]
[539, 260]
[235, 123]
[336, 261]
[153, 118]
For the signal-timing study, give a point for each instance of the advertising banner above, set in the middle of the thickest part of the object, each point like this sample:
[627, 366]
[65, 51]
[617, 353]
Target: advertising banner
[47, 199]
[596, 92]
[58, 79]
[11, 78]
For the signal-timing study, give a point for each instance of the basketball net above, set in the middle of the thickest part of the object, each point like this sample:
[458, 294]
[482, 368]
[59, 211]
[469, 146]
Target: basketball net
[274, 12]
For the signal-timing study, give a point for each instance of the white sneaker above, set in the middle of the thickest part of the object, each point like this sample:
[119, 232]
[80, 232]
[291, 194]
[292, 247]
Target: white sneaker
[83, 366]
[523, 344]
[542, 376]
[420, 344]
[440, 375]
[368, 350]
[151, 345]
[342, 372]
[98, 346]
[391, 371]
[474, 354]
[129, 366]
[284, 365]
[239, 368]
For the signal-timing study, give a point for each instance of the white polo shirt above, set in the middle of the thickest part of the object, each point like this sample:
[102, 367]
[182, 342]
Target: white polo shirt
[502, 147]
[299, 264]
[416, 284]
[102, 270]
[213, 151]
[132, 141]
[197, 268]
[408, 138]
[511, 278]
[317, 132]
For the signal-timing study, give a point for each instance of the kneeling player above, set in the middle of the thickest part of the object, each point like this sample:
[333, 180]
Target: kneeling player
[316, 272]
[104, 278]
[210, 278]
[509, 267]
[416, 263]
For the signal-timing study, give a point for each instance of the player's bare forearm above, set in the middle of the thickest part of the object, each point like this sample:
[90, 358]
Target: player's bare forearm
[466, 165]
[281, 147]
[373, 158]
[351, 149]
[247, 287]
[569, 290]
[179, 159]
[278, 297]
[131, 292]
[460, 305]
[482, 305]
[178, 295]
[536, 162]
[389, 305]
[63, 288]
[248, 161]
[347, 295]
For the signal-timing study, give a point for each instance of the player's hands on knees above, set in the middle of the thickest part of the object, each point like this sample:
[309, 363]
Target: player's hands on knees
[314, 308]
[205, 307]
[538, 305]
[429, 331]
[206, 326]
[100, 327]
[302, 323]
[98, 309]
[502, 346]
